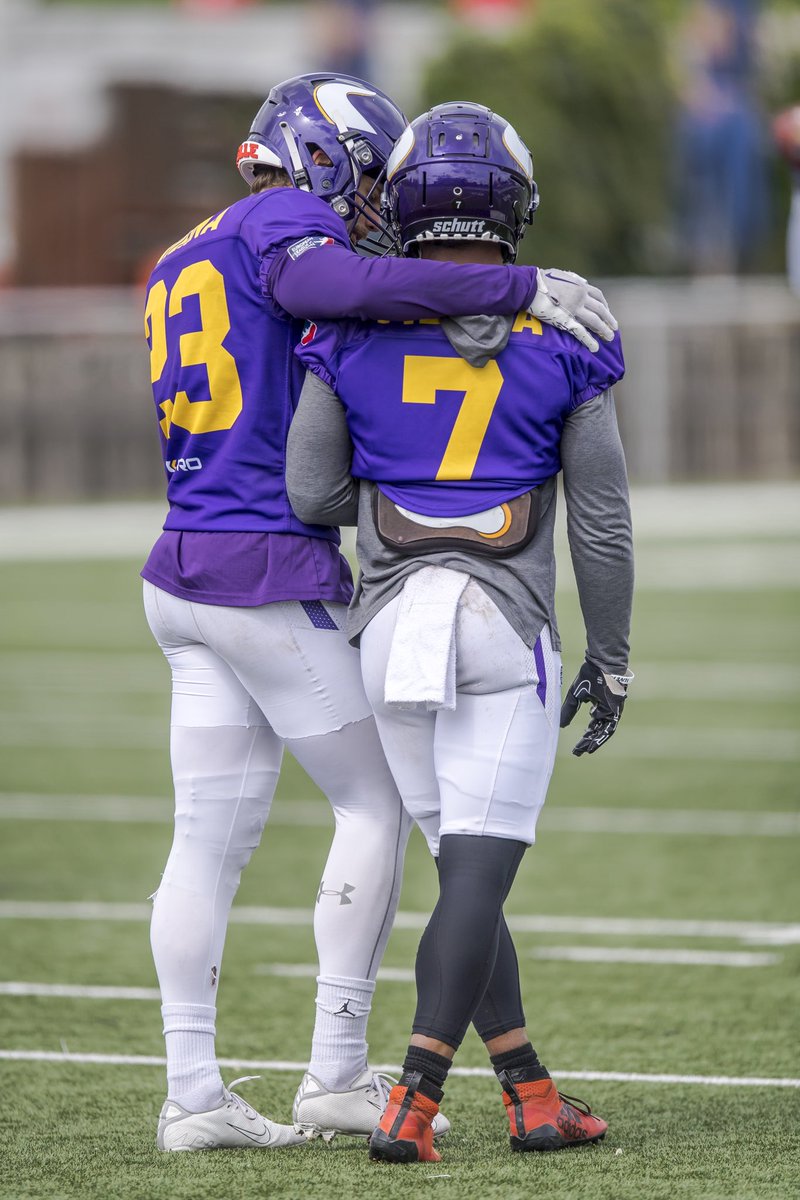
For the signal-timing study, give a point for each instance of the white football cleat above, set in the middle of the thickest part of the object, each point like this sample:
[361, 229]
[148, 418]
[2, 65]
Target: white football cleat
[231, 1126]
[318, 1112]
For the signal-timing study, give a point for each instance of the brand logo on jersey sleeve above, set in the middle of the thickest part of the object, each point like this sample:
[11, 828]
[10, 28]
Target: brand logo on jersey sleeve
[309, 333]
[308, 243]
[183, 464]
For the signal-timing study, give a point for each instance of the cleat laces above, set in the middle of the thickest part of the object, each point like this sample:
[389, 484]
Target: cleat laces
[579, 1105]
[383, 1084]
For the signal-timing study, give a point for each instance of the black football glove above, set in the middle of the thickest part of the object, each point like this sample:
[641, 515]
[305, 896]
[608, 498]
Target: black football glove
[607, 694]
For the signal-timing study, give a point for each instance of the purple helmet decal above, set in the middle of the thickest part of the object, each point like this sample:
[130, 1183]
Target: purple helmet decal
[460, 172]
[351, 122]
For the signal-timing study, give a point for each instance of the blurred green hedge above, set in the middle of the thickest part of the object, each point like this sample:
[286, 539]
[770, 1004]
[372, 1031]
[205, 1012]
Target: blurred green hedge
[588, 87]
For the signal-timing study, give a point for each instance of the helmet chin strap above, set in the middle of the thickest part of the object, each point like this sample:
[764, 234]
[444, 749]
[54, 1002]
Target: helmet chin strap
[299, 173]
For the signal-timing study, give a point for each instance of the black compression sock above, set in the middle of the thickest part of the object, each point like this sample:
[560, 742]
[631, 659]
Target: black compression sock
[433, 1068]
[521, 1063]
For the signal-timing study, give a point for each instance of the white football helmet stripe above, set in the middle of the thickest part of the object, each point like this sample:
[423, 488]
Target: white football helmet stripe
[332, 100]
[518, 150]
[400, 152]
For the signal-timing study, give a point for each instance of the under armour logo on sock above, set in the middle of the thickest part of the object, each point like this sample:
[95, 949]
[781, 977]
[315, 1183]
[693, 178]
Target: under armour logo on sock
[344, 894]
[213, 976]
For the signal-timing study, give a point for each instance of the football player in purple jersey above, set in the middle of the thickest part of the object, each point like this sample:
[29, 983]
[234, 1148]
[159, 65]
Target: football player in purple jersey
[248, 603]
[444, 440]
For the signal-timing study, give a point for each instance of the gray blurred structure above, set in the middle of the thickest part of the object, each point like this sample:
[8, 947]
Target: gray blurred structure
[712, 387]
[711, 390]
[60, 65]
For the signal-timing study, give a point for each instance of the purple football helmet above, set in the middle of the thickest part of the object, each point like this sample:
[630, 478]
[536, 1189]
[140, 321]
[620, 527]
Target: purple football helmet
[353, 123]
[460, 172]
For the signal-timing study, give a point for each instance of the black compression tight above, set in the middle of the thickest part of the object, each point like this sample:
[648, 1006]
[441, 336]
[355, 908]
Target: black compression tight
[501, 1010]
[458, 952]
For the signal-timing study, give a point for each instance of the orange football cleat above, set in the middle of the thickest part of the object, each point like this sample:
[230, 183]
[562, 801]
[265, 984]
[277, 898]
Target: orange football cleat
[541, 1118]
[405, 1133]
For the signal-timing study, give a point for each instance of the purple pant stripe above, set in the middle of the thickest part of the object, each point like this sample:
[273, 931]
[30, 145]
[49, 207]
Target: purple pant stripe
[318, 614]
[538, 658]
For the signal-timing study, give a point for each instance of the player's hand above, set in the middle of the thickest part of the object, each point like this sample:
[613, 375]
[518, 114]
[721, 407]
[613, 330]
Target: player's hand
[571, 303]
[607, 695]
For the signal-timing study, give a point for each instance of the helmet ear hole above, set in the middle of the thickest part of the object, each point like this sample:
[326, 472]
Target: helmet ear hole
[319, 156]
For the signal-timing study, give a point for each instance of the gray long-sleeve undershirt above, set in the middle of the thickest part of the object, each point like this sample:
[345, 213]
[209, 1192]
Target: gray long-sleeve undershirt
[322, 491]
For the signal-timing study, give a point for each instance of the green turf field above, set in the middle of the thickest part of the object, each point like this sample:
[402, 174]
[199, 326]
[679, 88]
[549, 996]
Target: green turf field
[684, 830]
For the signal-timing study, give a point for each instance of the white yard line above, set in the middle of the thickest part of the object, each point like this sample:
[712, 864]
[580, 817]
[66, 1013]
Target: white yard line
[688, 511]
[732, 745]
[716, 680]
[311, 970]
[646, 957]
[98, 673]
[581, 954]
[751, 932]
[671, 526]
[639, 956]
[79, 531]
[670, 821]
[75, 991]
[35, 806]
[237, 1064]
[660, 567]
[720, 565]
[79, 731]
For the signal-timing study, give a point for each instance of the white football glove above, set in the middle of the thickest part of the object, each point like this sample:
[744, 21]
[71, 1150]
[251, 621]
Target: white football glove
[570, 302]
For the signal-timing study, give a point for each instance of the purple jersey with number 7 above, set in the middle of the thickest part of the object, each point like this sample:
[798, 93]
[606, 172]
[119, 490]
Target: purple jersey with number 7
[442, 437]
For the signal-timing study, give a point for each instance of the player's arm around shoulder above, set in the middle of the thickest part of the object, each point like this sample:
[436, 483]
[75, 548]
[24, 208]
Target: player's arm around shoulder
[318, 455]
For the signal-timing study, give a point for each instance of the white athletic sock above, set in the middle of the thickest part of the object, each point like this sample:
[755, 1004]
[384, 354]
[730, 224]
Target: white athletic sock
[339, 1046]
[193, 1078]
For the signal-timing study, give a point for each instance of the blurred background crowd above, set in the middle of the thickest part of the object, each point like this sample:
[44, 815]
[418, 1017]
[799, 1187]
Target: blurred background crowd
[666, 146]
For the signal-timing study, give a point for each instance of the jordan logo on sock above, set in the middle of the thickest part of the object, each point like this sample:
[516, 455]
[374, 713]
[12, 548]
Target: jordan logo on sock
[344, 1011]
[344, 894]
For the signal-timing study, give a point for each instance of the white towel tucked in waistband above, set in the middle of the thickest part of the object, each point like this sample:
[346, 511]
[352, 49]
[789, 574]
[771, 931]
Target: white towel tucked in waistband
[422, 659]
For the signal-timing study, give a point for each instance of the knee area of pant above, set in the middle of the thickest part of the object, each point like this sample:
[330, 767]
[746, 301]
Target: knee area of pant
[214, 811]
[480, 857]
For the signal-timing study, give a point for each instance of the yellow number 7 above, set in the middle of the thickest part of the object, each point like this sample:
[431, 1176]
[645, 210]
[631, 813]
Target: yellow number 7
[423, 377]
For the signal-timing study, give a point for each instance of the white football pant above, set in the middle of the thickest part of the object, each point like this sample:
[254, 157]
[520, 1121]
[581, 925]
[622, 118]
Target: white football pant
[484, 767]
[246, 682]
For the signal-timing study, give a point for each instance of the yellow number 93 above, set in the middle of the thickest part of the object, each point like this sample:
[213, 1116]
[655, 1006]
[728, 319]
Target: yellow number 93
[202, 347]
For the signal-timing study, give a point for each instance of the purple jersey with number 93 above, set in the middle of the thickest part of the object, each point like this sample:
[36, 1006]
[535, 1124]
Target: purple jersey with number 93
[442, 437]
[225, 381]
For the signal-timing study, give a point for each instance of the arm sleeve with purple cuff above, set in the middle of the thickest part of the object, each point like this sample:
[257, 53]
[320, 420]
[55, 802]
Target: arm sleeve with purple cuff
[331, 281]
[599, 528]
